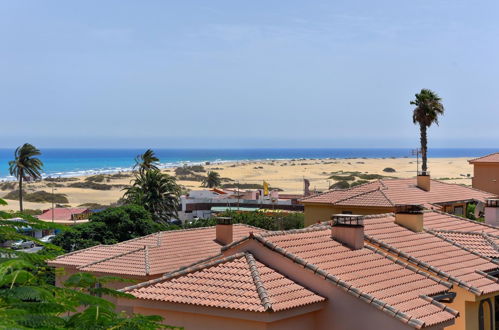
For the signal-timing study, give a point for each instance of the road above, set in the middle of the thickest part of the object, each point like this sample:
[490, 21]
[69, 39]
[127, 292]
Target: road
[32, 250]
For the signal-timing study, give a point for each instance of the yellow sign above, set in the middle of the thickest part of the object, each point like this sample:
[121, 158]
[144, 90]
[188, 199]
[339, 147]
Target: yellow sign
[265, 188]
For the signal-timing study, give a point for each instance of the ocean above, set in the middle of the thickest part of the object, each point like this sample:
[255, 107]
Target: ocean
[77, 162]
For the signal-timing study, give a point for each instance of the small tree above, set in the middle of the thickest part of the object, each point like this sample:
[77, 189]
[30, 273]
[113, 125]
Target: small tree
[146, 161]
[212, 180]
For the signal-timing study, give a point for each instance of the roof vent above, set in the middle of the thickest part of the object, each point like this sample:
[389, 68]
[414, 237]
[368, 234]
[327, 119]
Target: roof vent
[491, 213]
[348, 229]
[409, 216]
[224, 230]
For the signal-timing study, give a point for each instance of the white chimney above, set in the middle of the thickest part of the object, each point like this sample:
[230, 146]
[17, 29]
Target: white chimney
[348, 229]
[491, 213]
[224, 230]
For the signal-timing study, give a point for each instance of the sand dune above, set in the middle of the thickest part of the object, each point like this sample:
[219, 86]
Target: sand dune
[287, 175]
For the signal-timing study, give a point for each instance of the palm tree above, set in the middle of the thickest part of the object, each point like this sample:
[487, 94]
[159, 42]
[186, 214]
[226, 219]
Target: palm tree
[212, 180]
[428, 108]
[147, 161]
[157, 192]
[25, 166]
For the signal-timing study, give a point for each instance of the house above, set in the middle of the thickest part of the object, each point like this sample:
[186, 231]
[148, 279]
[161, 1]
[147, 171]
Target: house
[381, 196]
[486, 173]
[201, 203]
[411, 267]
[312, 278]
[151, 256]
[65, 216]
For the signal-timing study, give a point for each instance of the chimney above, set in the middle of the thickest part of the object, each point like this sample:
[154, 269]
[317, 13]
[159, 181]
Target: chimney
[224, 230]
[348, 229]
[492, 211]
[423, 181]
[409, 216]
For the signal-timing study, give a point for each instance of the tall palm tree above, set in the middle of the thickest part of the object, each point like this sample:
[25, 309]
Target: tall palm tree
[25, 166]
[428, 108]
[157, 192]
[212, 180]
[147, 161]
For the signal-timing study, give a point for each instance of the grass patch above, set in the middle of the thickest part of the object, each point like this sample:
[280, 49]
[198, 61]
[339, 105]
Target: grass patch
[90, 185]
[342, 177]
[60, 179]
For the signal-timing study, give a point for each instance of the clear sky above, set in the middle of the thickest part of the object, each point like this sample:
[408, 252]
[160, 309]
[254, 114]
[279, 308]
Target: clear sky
[246, 73]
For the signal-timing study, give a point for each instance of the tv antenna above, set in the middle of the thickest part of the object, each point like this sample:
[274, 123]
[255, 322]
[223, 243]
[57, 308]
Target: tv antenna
[416, 152]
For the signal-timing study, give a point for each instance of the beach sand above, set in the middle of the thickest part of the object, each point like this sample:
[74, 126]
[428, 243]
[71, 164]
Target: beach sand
[287, 175]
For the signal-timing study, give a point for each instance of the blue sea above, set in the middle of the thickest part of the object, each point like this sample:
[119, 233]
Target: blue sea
[76, 162]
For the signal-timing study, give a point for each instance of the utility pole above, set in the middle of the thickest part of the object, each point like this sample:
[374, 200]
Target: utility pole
[53, 198]
[238, 196]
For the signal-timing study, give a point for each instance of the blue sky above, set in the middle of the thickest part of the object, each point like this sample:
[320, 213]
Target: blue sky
[246, 73]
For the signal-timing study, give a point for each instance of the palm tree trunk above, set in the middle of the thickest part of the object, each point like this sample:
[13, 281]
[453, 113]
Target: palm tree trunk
[21, 192]
[424, 148]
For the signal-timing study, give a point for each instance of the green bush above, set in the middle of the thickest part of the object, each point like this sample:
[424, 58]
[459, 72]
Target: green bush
[358, 182]
[342, 177]
[90, 185]
[389, 170]
[274, 221]
[38, 197]
[340, 185]
[371, 176]
[110, 226]
[96, 178]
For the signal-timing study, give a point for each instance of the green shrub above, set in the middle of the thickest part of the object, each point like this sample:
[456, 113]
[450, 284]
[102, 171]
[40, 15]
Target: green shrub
[90, 185]
[340, 185]
[60, 179]
[370, 176]
[8, 185]
[342, 177]
[38, 197]
[358, 182]
[96, 178]
[389, 170]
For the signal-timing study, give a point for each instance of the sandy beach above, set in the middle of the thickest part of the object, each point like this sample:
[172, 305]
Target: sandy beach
[287, 175]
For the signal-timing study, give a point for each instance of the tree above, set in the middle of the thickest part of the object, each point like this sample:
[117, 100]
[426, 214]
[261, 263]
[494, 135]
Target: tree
[30, 300]
[428, 108]
[25, 166]
[157, 192]
[147, 161]
[113, 225]
[212, 180]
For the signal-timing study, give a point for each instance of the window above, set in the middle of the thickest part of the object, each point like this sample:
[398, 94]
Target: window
[458, 210]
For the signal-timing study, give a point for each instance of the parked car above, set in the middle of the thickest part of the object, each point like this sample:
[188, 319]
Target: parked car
[47, 239]
[22, 244]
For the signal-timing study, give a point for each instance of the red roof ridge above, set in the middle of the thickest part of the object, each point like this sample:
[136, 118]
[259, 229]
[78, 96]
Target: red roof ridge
[464, 186]
[78, 251]
[350, 289]
[478, 158]
[184, 270]
[463, 219]
[112, 257]
[444, 307]
[332, 190]
[260, 288]
[146, 260]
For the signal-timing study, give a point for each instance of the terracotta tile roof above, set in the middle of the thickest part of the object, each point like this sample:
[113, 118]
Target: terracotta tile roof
[369, 274]
[389, 192]
[154, 254]
[492, 158]
[61, 213]
[478, 242]
[237, 282]
[432, 251]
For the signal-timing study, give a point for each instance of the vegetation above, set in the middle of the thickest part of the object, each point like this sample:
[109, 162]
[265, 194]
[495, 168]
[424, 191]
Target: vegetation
[60, 179]
[96, 178]
[212, 180]
[30, 300]
[157, 192]
[146, 162]
[246, 186]
[358, 183]
[38, 197]
[342, 177]
[91, 185]
[269, 221]
[389, 170]
[25, 166]
[428, 108]
[7, 185]
[110, 226]
[340, 185]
